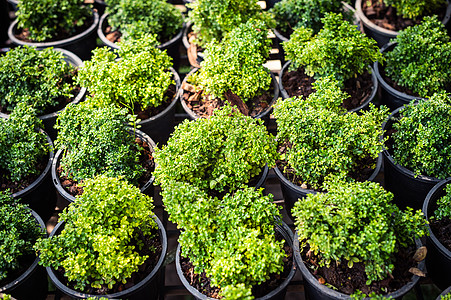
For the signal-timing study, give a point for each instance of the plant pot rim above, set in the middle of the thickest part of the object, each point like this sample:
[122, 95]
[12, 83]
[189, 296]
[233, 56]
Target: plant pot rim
[133, 289]
[198, 295]
[112, 45]
[364, 105]
[56, 162]
[75, 61]
[60, 43]
[192, 115]
[445, 292]
[338, 295]
[28, 272]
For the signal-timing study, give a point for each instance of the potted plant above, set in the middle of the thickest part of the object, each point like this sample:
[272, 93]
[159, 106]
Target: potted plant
[238, 253]
[40, 78]
[20, 227]
[383, 19]
[318, 139]
[445, 295]
[233, 72]
[142, 81]
[417, 151]
[339, 50]
[68, 24]
[108, 242]
[26, 153]
[96, 140]
[353, 240]
[126, 19]
[417, 64]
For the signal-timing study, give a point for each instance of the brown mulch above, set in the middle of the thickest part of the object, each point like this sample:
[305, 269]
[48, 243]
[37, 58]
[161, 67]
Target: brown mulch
[442, 230]
[114, 36]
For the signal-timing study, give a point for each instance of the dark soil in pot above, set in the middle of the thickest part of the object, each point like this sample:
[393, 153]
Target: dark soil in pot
[442, 230]
[153, 111]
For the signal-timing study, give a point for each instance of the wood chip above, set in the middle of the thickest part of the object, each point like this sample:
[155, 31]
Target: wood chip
[188, 87]
[420, 254]
[416, 271]
[195, 97]
[235, 100]
[321, 280]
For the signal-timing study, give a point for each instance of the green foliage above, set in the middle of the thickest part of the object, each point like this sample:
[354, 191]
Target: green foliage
[339, 49]
[415, 8]
[137, 17]
[104, 230]
[137, 81]
[49, 19]
[325, 140]
[22, 146]
[213, 19]
[421, 60]
[446, 297]
[220, 153]
[356, 222]
[236, 248]
[5, 296]
[422, 141]
[96, 141]
[444, 205]
[236, 63]
[358, 295]
[19, 230]
[36, 77]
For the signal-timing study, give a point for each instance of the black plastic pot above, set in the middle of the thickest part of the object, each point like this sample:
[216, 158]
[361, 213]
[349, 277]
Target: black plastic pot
[13, 4]
[81, 44]
[172, 46]
[146, 289]
[314, 290]
[49, 120]
[100, 5]
[32, 284]
[382, 35]
[407, 188]
[444, 293]
[277, 294]
[4, 21]
[364, 106]
[292, 193]
[438, 260]
[65, 198]
[200, 55]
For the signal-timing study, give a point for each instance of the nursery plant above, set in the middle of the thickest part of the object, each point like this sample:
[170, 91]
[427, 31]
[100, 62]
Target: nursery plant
[443, 209]
[134, 18]
[415, 8]
[319, 140]
[355, 223]
[40, 78]
[106, 236]
[421, 59]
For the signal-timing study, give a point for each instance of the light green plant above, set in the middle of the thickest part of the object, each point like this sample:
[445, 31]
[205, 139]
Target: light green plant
[446, 297]
[415, 8]
[443, 209]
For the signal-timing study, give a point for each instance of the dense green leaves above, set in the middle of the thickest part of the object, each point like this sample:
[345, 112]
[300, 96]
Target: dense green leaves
[49, 19]
[322, 139]
[104, 229]
[416, 8]
[19, 230]
[421, 60]
[36, 77]
[444, 205]
[135, 18]
[22, 146]
[422, 141]
[357, 222]
[339, 49]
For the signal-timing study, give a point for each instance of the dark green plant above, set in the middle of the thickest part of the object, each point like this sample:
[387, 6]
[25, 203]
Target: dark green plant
[358, 295]
[421, 60]
[356, 222]
[97, 141]
[415, 8]
[137, 17]
[339, 49]
[422, 141]
[235, 248]
[46, 20]
[36, 77]
[322, 139]
[137, 81]
[221, 153]
[444, 205]
[22, 146]
[103, 232]
[236, 64]
[213, 19]
[19, 230]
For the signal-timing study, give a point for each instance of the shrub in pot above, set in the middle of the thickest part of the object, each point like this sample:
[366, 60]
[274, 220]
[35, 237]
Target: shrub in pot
[142, 81]
[232, 72]
[108, 243]
[339, 50]
[318, 139]
[354, 239]
[417, 153]
[417, 64]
